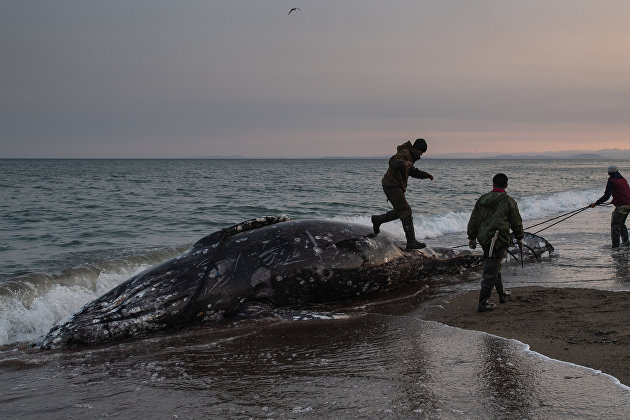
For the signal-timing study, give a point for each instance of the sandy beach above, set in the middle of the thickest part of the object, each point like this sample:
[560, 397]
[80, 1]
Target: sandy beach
[582, 326]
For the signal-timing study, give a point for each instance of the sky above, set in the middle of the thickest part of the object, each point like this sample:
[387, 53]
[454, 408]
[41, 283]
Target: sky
[200, 78]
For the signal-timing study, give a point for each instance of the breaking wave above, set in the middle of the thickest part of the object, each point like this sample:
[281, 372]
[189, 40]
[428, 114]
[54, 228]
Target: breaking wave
[532, 208]
[30, 304]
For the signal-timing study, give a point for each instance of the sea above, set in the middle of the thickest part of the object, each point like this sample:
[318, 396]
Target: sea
[70, 230]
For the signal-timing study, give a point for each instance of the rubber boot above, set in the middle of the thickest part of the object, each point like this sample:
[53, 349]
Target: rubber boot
[378, 220]
[490, 274]
[484, 304]
[412, 243]
[615, 233]
[504, 294]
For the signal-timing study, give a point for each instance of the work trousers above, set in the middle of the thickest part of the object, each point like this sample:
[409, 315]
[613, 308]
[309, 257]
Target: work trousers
[402, 209]
[618, 225]
[492, 272]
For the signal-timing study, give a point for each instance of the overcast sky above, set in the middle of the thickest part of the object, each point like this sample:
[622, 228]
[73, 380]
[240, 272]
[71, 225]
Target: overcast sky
[164, 78]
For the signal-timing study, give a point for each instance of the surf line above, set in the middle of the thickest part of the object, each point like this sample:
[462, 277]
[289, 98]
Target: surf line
[568, 215]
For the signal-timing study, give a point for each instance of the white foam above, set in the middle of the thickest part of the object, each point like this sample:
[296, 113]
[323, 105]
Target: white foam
[531, 208]
[23, 323]
[536, 207]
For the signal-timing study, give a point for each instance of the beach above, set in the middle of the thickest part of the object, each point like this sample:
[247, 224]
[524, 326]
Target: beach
[583, 326]
[76, 229]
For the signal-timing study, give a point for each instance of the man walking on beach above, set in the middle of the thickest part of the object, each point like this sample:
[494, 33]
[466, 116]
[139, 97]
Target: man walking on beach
[490, 222]
[617, 186]
[395, 184]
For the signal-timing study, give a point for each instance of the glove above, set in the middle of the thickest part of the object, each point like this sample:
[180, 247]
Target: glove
[472, 243]
[519, 243]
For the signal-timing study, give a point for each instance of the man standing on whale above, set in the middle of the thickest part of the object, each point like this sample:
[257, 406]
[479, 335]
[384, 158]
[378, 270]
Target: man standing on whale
[395, 184]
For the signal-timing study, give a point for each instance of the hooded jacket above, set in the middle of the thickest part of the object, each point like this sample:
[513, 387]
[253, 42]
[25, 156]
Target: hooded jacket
[397, 173]
[617, 186]
[494, 211]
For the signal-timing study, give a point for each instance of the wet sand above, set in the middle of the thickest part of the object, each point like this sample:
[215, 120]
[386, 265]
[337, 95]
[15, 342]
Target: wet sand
[582, 326]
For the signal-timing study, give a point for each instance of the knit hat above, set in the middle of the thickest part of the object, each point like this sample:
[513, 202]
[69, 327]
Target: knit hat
[421, 145]
[612, 169]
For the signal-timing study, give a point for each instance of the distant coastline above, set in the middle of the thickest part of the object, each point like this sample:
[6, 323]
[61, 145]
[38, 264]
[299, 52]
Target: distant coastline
[583, 156]
[605, 154]
[602, 154]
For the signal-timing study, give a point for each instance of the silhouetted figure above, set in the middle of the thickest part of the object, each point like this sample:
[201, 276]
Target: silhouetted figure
[394, 186]
[617, 186]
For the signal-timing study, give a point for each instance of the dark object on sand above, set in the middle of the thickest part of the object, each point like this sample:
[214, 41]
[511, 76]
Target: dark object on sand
[252, 267]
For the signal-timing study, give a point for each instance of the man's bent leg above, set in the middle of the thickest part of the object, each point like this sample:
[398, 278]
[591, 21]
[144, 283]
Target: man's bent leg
[397, 197]
[378, 220]
[392, 195]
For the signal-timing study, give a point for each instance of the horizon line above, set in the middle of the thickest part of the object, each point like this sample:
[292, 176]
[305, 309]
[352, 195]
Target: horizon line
[436, 157]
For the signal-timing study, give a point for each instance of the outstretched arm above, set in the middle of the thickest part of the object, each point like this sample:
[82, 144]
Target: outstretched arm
[417, 173]
[605, 197]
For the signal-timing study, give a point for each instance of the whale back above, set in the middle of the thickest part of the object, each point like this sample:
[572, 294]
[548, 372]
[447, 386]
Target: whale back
[271, 261]
[295, 262]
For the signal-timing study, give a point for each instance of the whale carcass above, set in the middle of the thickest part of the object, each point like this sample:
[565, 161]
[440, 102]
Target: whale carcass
[270, 261]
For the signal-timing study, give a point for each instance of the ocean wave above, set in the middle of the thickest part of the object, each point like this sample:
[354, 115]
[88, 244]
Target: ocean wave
[32, 303]
[532, 208]
[27, 319]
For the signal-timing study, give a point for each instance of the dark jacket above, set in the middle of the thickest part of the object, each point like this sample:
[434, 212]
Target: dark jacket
[495, 211]
[397, 173]
[617, 186]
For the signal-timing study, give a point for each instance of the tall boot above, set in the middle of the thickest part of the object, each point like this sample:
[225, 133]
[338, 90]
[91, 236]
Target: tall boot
[624, 235]
[504, 294]
[490, 273]
[615, 233]
[484, 296]
[412, 243]
[378, 220]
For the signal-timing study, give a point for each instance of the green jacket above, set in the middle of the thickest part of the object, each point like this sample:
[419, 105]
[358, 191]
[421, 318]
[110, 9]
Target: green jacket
[397, 173]
[495, 211]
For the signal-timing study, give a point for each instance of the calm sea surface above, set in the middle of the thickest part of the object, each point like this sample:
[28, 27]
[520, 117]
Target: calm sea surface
[70, 230]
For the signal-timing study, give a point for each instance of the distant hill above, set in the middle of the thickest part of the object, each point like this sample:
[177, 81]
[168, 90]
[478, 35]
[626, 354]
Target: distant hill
[603, 154]
[521, 157]
[587, 156]
[224, 157]
[580, 156]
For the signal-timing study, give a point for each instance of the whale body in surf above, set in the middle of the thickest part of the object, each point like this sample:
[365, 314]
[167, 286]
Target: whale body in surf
[271, 262]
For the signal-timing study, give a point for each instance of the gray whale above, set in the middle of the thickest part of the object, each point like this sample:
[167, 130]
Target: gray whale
[268, 261]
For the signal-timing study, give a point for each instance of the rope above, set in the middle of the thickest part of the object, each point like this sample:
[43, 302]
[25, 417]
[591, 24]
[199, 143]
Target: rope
[568, 215]
[574, 213]
[557, 217]
[561, 220]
